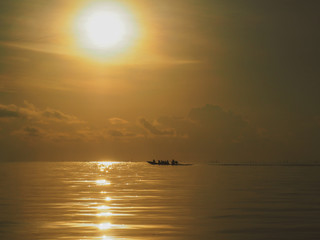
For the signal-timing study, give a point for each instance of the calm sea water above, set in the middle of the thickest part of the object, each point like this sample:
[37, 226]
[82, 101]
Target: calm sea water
[138, 201]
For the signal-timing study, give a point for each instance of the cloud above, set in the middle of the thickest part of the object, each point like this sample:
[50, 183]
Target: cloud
[121, 133]
[116, 133]
[154, 130]
[9, 111]
[210, 123]
[30, 112]
[118, 128]
[208, 133]
[117, 121]
[217, 124]
[28, 121]
[211, 133]
[59, 116]
[32, 131]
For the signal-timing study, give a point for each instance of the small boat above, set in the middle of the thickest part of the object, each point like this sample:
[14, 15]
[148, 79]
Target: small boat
[166, 163]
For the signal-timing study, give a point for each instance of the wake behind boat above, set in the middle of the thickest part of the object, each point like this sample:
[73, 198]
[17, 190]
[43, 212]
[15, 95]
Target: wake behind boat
[167, 163]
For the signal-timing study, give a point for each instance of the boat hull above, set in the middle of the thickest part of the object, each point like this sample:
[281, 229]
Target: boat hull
[164, 164]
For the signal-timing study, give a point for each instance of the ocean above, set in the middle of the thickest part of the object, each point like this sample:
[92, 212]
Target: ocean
[138, 201]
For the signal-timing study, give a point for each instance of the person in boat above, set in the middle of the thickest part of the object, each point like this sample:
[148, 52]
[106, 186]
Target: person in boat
[153, 161]
[173, 162]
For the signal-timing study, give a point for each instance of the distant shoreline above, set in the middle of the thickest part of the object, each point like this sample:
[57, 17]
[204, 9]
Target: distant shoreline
[269, 164]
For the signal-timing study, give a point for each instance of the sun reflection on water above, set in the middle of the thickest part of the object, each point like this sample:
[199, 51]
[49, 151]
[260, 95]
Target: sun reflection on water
[105, 166]
[102, 182]
[104, 214]
[79, 201]
[107, 238]
[105, 206]
[104, 226]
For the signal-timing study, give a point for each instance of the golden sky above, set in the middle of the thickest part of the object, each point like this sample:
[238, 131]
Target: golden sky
[135, 80]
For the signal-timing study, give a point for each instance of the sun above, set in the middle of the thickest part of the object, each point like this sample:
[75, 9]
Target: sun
[103, 28]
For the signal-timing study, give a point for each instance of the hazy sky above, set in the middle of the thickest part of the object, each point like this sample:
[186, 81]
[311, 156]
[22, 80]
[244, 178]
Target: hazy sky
[199, 80]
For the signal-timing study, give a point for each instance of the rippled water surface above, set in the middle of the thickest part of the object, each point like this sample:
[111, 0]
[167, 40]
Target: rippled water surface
[140, 201]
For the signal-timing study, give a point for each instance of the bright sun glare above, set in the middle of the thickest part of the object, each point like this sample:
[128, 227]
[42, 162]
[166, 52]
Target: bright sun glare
[105, 28]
